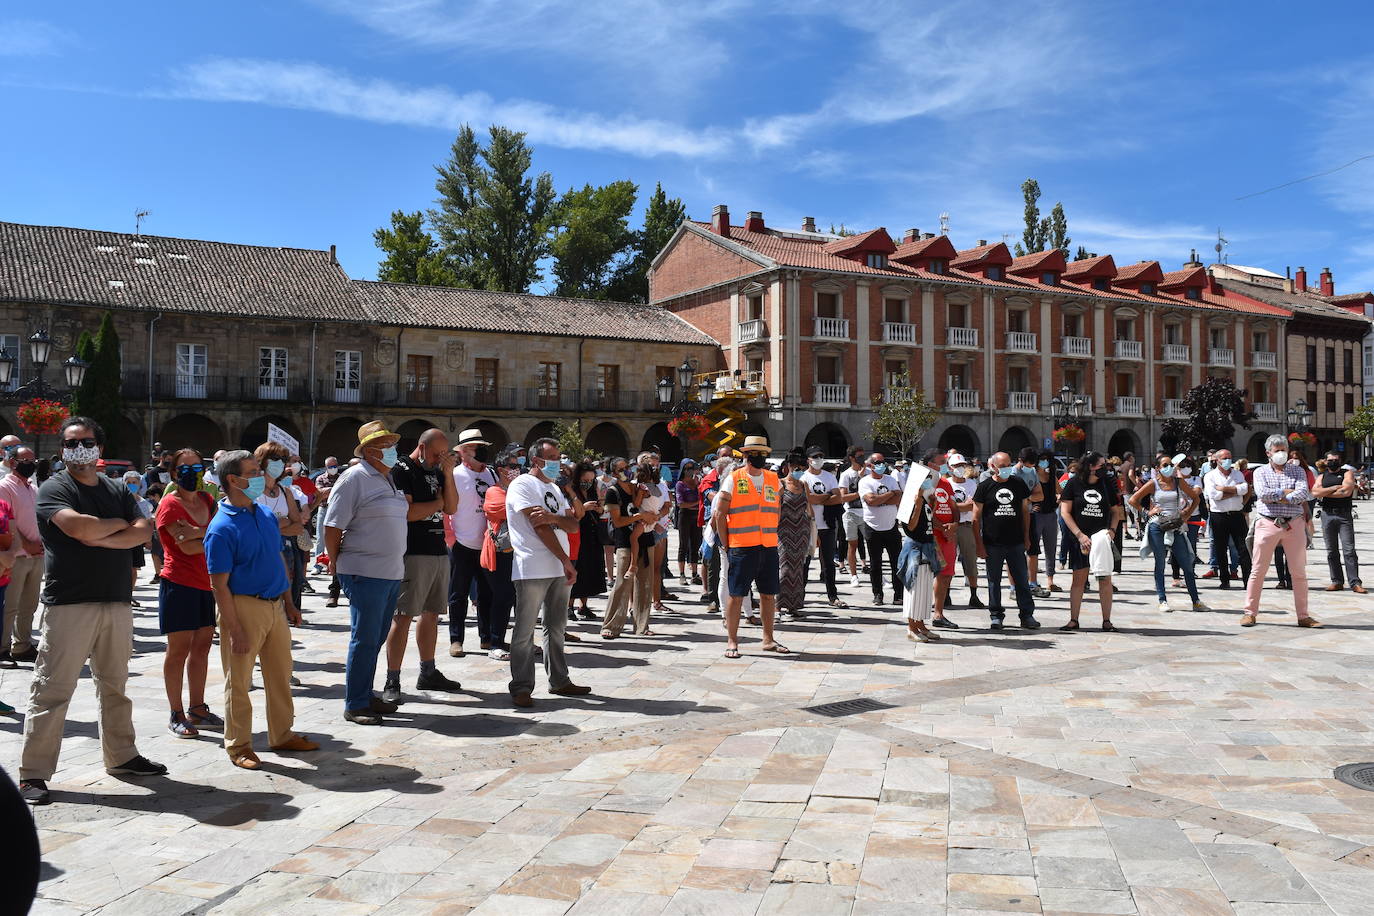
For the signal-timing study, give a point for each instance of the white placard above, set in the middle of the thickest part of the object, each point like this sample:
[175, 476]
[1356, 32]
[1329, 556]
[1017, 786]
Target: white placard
[280, 436]
[917, 473]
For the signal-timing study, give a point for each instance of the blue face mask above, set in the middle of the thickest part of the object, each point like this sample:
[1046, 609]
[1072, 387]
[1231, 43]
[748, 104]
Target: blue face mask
[1167, 471]
[797, 475]
[275, 468]
[1002, 473]
[1226, 464]
[133, 486]
[254, 487]
[880, 467]
[520, 460]
[389, 456]
[927, 485]
[1043, 464]
[551, 468]
[944, 470]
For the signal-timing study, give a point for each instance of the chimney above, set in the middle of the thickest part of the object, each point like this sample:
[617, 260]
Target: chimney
[912, 235]
[753, 221]
[808, 224]
[982, 242]
[1300, 281]
[928, 235]
[1328, 285]
[1192, 261]
[720, 220]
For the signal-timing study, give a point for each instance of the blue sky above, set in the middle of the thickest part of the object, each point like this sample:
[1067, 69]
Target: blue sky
[306, 122]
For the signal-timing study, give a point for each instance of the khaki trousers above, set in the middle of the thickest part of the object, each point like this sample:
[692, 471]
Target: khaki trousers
[73, 634]
[633, 585]
[21, 602]
[269, 641]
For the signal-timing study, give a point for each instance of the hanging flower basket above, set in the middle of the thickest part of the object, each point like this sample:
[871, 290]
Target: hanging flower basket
[41, 417]
[689, 425]
[1302, 440]
[1070, 433]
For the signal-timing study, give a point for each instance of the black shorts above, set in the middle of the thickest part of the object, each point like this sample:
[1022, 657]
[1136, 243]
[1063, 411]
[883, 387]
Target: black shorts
[1077, 558]
[756, 565]
[181, 608]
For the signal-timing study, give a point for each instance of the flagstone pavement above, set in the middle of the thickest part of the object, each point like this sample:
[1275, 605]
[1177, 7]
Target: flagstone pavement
[1181, 765]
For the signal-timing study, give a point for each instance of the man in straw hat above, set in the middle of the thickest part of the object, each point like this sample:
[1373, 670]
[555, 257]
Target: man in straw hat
[468, 522]
[365, 538]
[747, 523]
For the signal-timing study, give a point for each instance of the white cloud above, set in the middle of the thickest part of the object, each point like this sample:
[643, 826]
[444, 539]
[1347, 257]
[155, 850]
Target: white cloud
[30, 38]
[316, 88]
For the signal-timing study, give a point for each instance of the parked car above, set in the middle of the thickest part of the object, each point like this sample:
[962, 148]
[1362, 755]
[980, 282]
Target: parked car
[114, 467]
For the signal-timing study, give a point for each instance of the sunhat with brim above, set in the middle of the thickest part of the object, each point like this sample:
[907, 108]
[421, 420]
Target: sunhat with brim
[471, 436]
[756, 444]
[374, 435]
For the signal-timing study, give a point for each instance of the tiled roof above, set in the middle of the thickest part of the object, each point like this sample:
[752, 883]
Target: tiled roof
[1100, 266]
[1140, 272]
[1292, 302]
[523, 313]
[155, 273]
[1188, 276]
[981, 254]
[1050, 259]
[876, 240]
[935, 247]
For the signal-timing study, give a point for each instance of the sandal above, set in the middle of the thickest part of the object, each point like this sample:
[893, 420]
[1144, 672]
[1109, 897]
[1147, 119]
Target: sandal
[754, 621]
[200, 714]
[607, 634]
[1107, 627]
[1071, 625]
[779, 648]
[836, 602]
[647, 633]
[732, 652]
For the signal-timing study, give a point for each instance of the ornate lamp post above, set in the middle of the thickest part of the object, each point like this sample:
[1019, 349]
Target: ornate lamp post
[1300, 422]
[37, 388]
[691, 399]
[1066, 408]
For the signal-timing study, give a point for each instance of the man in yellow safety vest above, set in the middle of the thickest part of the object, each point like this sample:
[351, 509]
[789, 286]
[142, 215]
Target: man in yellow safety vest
[747, 523]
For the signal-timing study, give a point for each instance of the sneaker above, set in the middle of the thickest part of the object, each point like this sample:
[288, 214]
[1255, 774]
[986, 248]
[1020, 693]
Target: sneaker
[6, 661]
[713, 608]
[139, 766]
[1164, 607]
[332, 602]
[498, 653]
[1247, 620]
[362, 717]
[391, 693]
[975, 603]
[34, 791]
[380, 705]
[27, 656]
[1309, 622]
[944, 623]
[572, 690]
[435, 680]
[1209, 574]
[455, 650]
[1030, 623]
[854, 581]
[1038, 592]
[6, 709]
[878, 598]
[587, 614]
[996, 625]
[696, 580]
[1199, 606]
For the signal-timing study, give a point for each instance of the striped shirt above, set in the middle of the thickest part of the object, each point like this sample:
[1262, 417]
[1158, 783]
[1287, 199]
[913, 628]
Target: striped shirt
[1270, 482]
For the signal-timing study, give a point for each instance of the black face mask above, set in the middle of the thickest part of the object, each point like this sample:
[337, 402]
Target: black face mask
[482, 455]
[25, 469]
[756, 461]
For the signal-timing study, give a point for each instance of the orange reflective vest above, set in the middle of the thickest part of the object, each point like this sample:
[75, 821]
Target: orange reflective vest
[753, 516]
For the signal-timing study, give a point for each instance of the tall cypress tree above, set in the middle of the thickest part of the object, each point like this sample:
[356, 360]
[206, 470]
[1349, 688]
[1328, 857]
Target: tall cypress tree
[99, 397]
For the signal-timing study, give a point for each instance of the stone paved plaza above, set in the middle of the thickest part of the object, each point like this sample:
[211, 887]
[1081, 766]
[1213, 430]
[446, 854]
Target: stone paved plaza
[1182, 765]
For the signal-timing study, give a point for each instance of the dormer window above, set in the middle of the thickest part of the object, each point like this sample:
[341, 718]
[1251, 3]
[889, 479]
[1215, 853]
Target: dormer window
[994, 272]
[873, 259]
[1049, 278]
[1192, 292]
[1101, 283]
[1147, 288]
[938, 266]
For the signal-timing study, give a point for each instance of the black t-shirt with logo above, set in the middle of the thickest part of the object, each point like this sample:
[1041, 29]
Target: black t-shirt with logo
[423, 485]
[1003, 504]
[1092, 503]
[616, 496]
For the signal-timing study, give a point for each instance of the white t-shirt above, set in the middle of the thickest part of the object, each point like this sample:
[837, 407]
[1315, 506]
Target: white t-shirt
[533, 560]
[879, 518]
[469, 523]
[963, 492]
[849, 480]
[277, 504]
[664, 497]
[820, 483]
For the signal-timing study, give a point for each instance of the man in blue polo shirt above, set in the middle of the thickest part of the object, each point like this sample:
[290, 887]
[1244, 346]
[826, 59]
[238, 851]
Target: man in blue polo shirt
[252, 594]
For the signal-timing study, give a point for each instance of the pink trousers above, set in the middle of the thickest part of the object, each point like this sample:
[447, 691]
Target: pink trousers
[1268, 536]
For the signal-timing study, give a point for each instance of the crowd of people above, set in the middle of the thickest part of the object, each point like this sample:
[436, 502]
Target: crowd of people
[524, 539]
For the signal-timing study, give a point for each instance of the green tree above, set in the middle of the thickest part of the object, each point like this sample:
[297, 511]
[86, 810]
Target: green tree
[412, 254]
[491, 217]
[98, 397]
[1036, 231]
[1360, 426]
[1059, 230]
[1082, 254]
[570, 441]
[905, 415]
[592, 243]
[662, 216]
[1214, 409]
[842, 231]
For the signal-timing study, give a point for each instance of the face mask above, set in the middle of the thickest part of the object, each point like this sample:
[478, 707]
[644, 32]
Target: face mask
[25, 468]
[520, 460]
[389, 456]
[481, 454]
[332, 472]
[254, 487]
[297, 468]
[1186, 472]
[1167, 472]
[552, 468]
[81, 455]
[927, 485]
[859, 459]
[880, 467]
[755, 461]
[816, 464]
[797, 475]
[1279, 459]
[1226, 464]
[275, 467]
[944, 470]
[1043, 464]
[132, 485]
[963, 471]
[1002, 473]
[187, 477]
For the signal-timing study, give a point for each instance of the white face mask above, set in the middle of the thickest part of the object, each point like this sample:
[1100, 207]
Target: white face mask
[816, 464]
[1279, 458]
[81, 455]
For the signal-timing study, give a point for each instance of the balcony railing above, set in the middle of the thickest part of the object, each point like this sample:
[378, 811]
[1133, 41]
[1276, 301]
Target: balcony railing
[1268, 413]
[832, 328]
[752, 330]
[899, 332]
[1173, 407]
[961, 398]
[275, 392]
[199, 387]
[961, 337]
[1021, 342]
[1175, 353]
[1262, 359]
[836, 395]
[1023, 401]
[1130, 407]
[1221, 356]
[1127, 349]
[1077, 346]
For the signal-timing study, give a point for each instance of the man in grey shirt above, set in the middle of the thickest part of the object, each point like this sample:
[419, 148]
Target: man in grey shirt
[365, 537]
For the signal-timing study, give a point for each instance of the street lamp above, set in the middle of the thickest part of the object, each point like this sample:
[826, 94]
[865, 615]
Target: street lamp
[1299, 417]
[1066, 407]
[664, 390]
[40, 352]
[39, 349]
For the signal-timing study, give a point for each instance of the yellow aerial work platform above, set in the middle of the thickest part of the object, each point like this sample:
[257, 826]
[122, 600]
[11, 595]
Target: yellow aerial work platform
[730, 394]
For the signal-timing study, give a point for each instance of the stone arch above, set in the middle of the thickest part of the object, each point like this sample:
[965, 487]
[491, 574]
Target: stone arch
[493, 432]
[608, 439]
[195, 430]
[669, 446]
[6, 428]
[337, 440]
[961, 439]
[255, 433]
[410, 432]
[1125, 440]
[129, 441]
[831, 438]
[1254, 449]
[1015, 438]
[540, 430]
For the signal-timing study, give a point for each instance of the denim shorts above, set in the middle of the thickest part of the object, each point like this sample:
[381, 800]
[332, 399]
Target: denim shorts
[183, 607]
[753, 565]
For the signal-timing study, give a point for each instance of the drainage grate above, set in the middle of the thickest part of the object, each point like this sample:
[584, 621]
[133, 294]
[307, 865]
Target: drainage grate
[1359, 775]
[848, 708]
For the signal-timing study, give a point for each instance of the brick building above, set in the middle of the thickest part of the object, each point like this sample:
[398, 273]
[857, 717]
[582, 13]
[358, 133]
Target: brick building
[219, 339]
[831, 322]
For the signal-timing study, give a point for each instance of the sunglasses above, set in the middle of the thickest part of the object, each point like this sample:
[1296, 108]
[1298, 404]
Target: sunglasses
[88, 442]
[190, 467]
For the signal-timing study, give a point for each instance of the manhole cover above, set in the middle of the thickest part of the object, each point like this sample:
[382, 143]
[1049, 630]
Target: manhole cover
[1359, 775]
[848, 707]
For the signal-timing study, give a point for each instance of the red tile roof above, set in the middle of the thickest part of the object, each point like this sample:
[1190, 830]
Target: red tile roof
[875, 240]
[994, 254]
[1140, 272]
[1051, 259]
[1100, 266]
[1188, 276]
[938, 247]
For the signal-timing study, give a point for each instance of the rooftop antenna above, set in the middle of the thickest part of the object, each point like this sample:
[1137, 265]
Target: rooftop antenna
[944, 223]
[1005, 236]
[1221, 246]
[138, 220]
